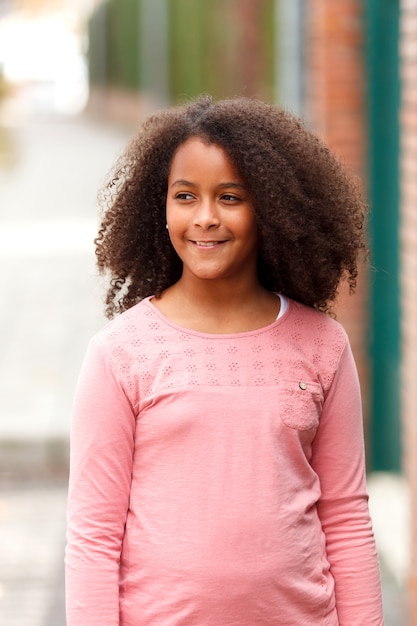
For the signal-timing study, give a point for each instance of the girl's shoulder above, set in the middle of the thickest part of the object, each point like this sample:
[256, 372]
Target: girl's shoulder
[318, 340]
[123, 328]
[315, 323]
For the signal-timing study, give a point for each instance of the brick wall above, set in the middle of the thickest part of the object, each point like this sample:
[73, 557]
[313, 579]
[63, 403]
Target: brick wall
[335, 108]
[408, 52]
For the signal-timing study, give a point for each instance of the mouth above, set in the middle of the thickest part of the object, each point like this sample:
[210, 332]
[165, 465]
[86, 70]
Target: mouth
[207, 244]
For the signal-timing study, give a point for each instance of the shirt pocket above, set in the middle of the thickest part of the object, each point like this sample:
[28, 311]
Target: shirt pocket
[301, 403]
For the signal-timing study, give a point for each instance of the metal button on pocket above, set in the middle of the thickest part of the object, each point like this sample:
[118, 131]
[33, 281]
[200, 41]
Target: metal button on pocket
[300, 404]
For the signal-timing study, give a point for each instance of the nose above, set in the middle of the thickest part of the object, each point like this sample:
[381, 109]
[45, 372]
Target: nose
[206, 215]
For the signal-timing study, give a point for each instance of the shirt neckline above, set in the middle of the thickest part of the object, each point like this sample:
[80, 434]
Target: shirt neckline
[189, 331]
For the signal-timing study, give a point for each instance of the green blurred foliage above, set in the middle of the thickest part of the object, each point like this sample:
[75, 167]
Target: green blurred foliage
[209, 48]
[114, 57]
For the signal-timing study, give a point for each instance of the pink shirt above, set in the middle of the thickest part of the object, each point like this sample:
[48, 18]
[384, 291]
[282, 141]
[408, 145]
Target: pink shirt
[218, 480]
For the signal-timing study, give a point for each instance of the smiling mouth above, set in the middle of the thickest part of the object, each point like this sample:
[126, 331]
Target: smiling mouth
[207, 244]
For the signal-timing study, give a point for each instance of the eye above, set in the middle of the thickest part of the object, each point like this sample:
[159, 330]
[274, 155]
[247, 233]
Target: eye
[229, 197]
[184, 195]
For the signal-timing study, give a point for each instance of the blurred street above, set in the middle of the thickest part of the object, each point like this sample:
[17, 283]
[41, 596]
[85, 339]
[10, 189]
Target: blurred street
[50, 171]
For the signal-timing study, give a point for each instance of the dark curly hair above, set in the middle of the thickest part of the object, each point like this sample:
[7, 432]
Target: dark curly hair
[309, 210]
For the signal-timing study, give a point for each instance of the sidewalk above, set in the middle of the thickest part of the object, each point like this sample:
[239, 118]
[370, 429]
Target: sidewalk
[389, 505]
[32, 523]
[47, 224]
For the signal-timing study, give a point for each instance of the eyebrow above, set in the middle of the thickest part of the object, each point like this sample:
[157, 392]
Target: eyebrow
[188, 183]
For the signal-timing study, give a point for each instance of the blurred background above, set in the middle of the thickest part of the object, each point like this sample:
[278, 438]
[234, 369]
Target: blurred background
[76, 79]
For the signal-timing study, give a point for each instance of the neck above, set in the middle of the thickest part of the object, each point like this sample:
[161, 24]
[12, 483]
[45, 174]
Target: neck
[218, 296]
[218, 306]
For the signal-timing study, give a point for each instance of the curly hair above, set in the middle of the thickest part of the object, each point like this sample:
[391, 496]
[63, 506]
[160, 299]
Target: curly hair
[309, 210]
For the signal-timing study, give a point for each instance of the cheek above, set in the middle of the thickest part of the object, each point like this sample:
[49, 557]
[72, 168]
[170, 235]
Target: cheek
[175, 242]
[248, 228]
[175, 230]
[170, 218]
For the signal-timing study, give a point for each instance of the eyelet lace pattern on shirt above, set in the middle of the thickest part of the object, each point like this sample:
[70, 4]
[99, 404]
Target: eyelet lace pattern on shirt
[150, 354]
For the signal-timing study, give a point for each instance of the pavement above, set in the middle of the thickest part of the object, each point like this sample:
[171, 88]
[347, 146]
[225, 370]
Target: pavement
[50, 170]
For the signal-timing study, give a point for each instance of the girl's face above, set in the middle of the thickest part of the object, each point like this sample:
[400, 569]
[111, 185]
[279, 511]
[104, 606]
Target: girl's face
[210, 214]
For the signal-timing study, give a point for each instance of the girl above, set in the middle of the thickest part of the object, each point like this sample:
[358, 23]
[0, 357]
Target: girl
[217, 463]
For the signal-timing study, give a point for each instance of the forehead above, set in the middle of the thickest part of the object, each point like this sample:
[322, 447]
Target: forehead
[197, 154]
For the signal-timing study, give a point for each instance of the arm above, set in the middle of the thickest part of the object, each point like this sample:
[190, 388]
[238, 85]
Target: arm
[338, 459]
[102, 443]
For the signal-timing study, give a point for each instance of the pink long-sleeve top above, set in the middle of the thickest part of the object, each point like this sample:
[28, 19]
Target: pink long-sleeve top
[218, 480]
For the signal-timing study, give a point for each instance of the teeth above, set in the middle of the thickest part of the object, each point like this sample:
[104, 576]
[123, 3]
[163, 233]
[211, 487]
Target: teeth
[207, 244]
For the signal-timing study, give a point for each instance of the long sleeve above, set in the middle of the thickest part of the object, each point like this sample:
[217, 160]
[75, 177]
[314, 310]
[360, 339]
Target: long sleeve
[338, 459]
[102, 443]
